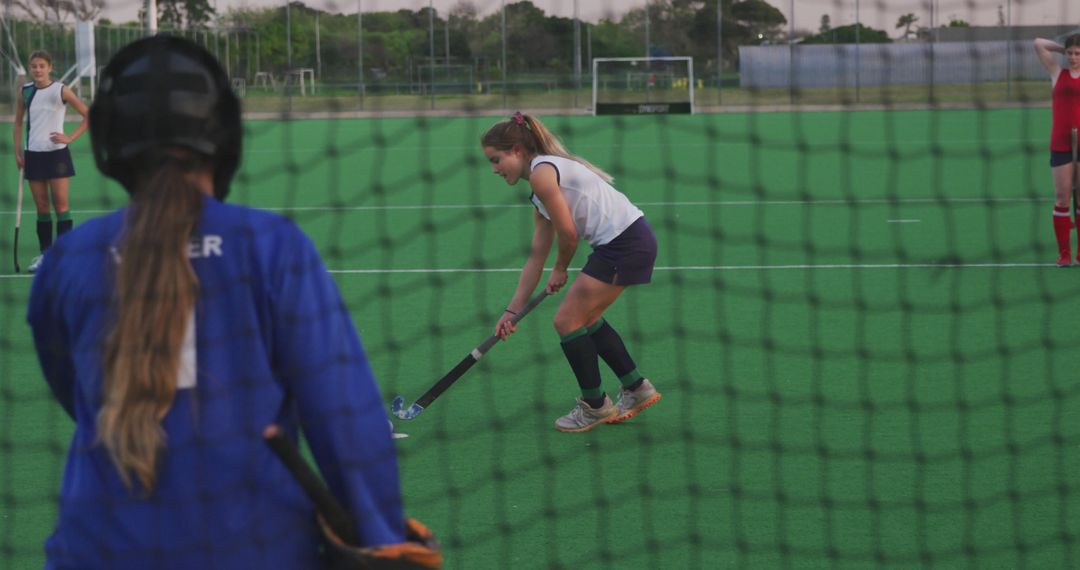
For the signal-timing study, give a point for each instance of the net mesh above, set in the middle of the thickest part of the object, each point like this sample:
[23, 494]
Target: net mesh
[864, 347]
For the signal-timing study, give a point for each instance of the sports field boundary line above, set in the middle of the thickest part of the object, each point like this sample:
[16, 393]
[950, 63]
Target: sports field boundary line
[700, 109]
[692, 203]
[855, 266]
[774, 145]
[797, 267]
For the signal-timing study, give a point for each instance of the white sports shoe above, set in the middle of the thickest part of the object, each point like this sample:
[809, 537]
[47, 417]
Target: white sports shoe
[35, 264]
[584, 417]
[631, 402]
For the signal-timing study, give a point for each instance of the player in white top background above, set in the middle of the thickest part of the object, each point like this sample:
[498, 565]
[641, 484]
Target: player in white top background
[46, 159]
[575, 201]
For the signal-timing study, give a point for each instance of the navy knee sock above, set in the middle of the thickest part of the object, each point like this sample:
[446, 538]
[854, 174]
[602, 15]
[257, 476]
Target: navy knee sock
[581, 354]
[64, 223]
[44, 231]
[610, 347]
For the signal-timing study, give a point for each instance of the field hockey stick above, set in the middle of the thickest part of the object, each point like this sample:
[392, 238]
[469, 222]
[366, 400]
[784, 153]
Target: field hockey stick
[466, 363]
[327, 506]
[18, 219]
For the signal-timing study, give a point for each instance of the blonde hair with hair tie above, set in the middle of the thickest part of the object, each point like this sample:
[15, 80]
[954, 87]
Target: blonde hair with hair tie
[535, 138]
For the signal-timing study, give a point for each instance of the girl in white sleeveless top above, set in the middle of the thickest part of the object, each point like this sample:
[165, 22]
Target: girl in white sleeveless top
[575, 201]
[45, 158]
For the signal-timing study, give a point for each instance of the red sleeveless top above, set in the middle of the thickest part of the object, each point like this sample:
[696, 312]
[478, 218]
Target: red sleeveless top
[1066, 111]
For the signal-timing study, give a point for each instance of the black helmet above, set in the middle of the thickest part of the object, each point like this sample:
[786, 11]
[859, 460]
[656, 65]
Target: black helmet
[164, 92]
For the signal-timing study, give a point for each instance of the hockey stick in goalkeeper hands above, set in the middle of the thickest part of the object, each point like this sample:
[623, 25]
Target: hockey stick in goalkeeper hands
[332, 512]
[466, 363]
[18, 219]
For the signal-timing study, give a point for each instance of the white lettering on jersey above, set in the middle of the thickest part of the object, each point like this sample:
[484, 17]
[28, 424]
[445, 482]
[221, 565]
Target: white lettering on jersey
[208, 246]
[205, 246]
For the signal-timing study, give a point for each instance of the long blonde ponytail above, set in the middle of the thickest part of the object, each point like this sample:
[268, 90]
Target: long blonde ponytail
[155, 291]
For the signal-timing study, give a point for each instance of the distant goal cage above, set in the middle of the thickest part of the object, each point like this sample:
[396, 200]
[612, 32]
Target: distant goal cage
[643, 85]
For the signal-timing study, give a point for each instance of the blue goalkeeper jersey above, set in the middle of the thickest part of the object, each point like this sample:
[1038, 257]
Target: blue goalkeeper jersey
[273, 343]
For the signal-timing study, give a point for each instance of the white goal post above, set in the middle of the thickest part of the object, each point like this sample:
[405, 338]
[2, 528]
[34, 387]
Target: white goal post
[642, 85]
[85, 59]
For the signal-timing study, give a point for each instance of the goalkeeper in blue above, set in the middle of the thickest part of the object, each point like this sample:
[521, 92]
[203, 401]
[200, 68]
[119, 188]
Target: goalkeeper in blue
[573, 201]
[175, 330]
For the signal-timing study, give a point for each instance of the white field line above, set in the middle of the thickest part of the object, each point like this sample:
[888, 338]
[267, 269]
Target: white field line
[799, 267]
[678, 204]
[851, 266]
[366, 146]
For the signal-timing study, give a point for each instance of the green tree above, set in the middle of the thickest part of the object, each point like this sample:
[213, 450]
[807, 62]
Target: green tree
[689, 27]
[906, 21]
[847, 35]
[610, 39]
[761, 19]
[182, 14]
[463, 21]
[396, 41]
[529, 45]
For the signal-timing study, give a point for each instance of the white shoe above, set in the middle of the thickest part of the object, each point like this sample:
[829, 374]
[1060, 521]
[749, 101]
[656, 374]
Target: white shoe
[35, 264]
[631, 402]
[584, 417]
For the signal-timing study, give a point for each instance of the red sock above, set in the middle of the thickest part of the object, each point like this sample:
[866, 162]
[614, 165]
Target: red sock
[1062, 225]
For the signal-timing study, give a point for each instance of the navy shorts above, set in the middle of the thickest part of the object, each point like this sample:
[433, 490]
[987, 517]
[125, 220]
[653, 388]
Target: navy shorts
[46, 165]
[1060, 157]
[626, 260]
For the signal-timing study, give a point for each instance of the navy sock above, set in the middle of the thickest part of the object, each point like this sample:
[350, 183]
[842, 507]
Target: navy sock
[64, 223]
[610, 347]
[44, 231]
[581, 354]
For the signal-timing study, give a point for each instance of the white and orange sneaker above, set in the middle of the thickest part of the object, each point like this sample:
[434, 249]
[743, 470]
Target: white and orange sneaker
[631, 402]
[585, 417]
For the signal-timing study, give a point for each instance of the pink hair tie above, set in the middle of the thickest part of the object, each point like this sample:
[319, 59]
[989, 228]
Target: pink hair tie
[519, 118]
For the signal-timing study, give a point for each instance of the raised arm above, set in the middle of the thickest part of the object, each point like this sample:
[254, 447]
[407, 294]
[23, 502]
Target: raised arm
[1046, 49]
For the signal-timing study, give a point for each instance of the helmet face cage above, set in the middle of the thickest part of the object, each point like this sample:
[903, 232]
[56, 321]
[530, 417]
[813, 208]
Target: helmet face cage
[159, 93]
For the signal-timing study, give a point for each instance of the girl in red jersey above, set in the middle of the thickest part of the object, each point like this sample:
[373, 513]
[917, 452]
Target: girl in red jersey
[1066, 117]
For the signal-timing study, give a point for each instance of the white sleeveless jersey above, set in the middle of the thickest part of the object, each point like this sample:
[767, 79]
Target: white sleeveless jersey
[600, 211]
[45, 110]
